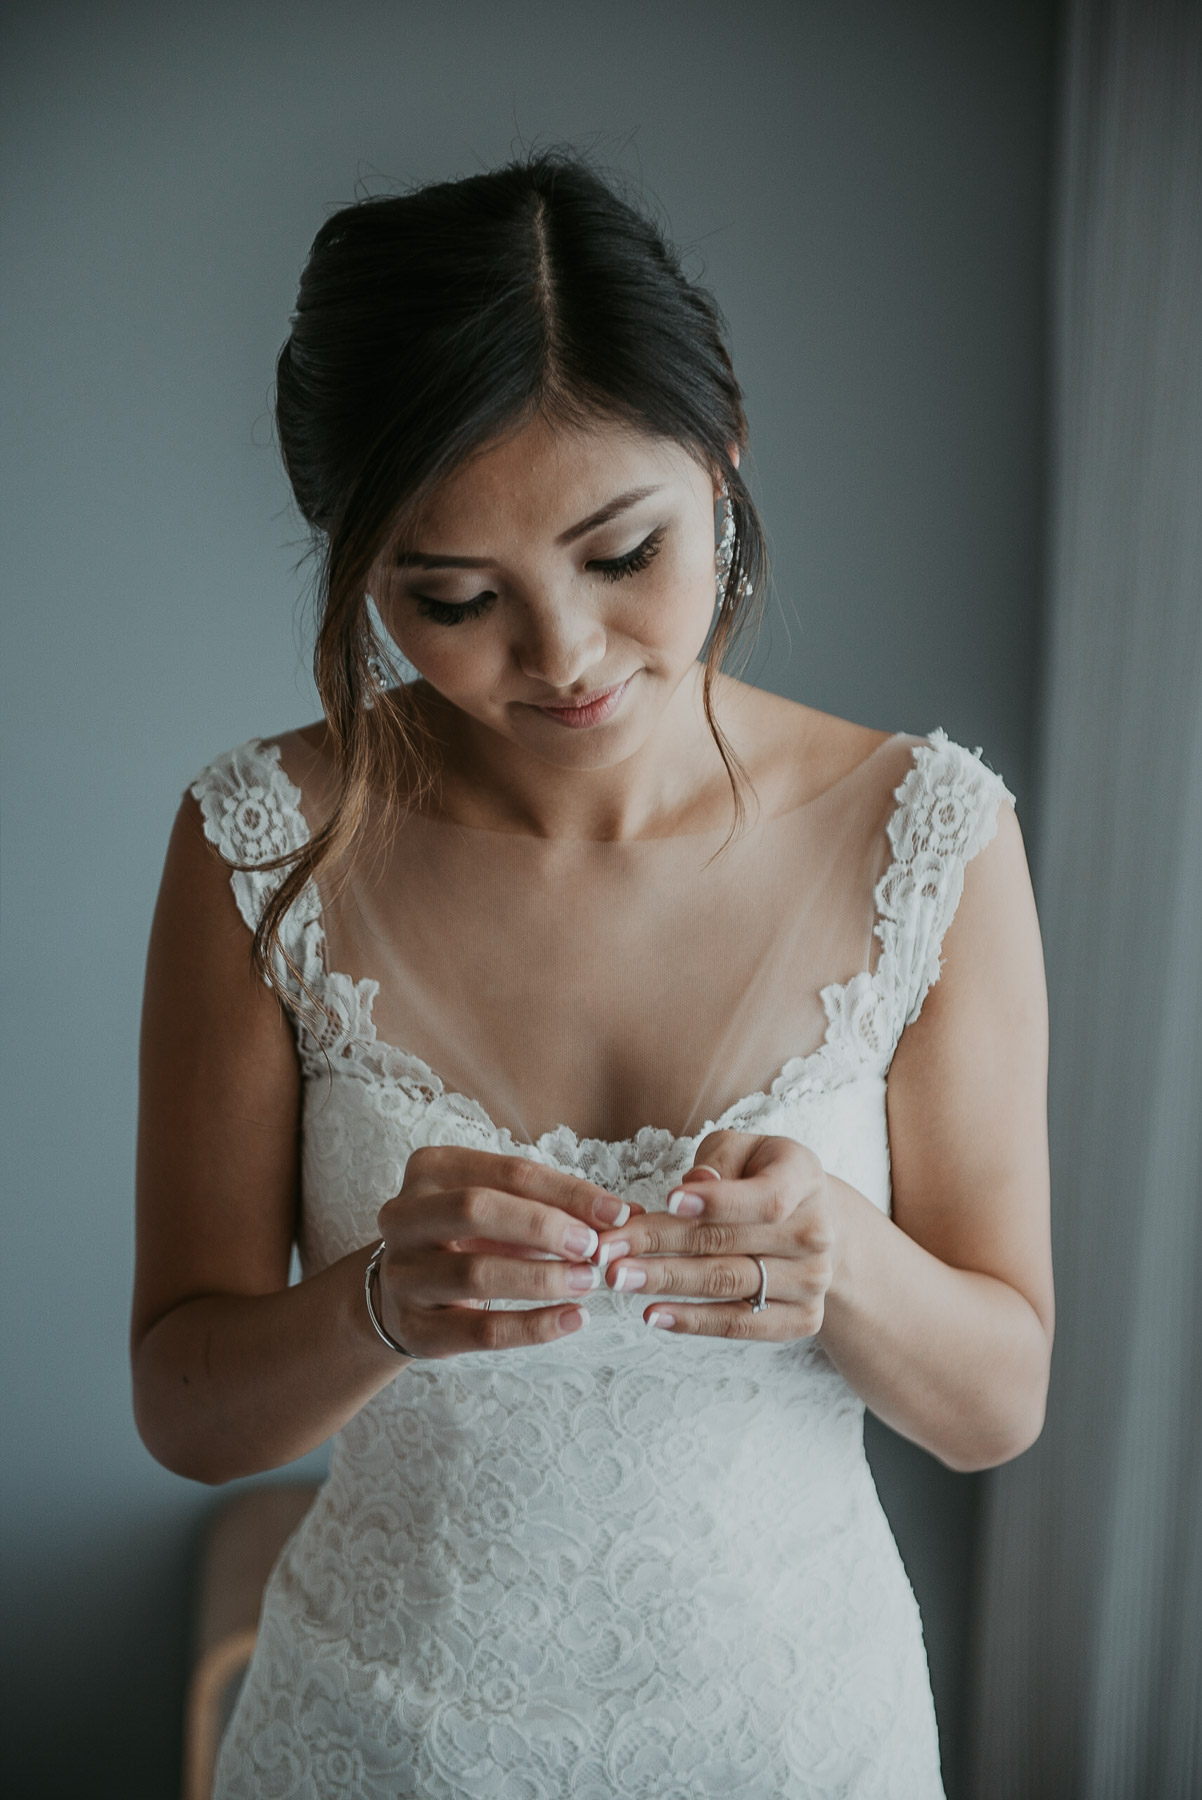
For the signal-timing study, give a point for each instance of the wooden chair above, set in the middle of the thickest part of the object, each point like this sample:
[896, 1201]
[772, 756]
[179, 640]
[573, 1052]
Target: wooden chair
[241, 1545]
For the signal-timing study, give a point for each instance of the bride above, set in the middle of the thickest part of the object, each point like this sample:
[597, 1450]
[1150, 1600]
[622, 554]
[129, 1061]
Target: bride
[649, 1070]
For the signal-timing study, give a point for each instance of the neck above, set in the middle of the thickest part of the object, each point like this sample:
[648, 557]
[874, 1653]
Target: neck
[674, 781]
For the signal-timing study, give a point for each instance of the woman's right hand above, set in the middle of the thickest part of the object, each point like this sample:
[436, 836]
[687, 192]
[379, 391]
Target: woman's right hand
[235, 1368]
[472, 1226]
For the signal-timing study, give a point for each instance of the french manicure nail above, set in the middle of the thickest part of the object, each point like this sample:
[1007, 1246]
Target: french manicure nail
[580, 1240]
[611, 1252]
[611, 1211]
[664, 1320]
[685, 1205]
[629, 1277]
[583, 1276]
[575, 1319]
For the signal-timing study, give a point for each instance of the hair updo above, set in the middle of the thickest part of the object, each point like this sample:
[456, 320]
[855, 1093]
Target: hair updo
[429, 324]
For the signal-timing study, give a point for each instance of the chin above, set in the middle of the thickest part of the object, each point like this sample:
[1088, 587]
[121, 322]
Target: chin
[587, 750]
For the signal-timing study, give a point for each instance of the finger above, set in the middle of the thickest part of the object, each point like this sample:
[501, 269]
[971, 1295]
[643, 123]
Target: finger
[726, 1152]
[495, 1247]
[413, 1221]
[662, 1234]
[443, 1331]
[767, 1229]
[777, 1176]
[720, 1156]
[704, 1277]
[732, 1148]
[685, 1202]
[447, 1280]
[757, 1200]
[777, 1324]
[440, 1166]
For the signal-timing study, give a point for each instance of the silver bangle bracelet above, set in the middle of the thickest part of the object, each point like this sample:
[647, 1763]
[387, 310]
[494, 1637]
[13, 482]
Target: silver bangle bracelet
[368, 1278]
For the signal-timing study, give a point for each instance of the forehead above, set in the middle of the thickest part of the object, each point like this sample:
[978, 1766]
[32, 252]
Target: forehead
[543, 477]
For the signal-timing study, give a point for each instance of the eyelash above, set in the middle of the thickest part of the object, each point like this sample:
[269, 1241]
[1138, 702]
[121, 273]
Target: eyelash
[442, 612]
[634, 562]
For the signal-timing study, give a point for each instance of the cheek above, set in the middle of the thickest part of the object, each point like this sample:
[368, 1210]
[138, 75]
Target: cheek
[677, 608]
[449, 657]
[458, 660]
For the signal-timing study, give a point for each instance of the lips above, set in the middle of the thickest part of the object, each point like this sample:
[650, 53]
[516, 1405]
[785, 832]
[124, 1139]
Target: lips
[591, 709]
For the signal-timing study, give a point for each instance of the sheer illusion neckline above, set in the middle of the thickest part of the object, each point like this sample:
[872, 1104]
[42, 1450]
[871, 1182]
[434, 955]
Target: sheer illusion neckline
[852, 1010]
[710, 832]
[944, 811]
[650, 1144]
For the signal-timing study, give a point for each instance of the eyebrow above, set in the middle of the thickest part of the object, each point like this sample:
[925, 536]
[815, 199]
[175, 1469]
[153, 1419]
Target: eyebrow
[418, 559]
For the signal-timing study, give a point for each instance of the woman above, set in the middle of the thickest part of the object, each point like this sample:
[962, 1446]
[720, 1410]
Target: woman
[579, 969]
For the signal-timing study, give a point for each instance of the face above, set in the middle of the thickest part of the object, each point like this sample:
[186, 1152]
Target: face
[557, 589]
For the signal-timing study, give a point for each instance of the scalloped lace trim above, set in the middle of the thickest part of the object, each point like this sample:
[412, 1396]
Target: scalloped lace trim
[946, 812]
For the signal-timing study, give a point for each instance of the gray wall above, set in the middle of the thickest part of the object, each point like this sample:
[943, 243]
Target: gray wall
[864, 184]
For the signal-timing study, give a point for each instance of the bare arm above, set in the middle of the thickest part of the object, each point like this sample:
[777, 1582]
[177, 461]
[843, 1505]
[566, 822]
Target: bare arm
[941, 1317]
[233, 1370]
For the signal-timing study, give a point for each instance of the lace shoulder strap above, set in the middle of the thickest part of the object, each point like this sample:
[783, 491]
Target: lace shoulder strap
[251, 813]
[946, 812]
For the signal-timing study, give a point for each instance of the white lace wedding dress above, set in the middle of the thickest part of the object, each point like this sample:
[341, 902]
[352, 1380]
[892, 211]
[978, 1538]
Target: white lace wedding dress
[627, 1563]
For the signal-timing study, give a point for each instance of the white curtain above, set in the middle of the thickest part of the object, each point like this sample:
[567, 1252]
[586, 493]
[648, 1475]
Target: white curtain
[1089, 1666]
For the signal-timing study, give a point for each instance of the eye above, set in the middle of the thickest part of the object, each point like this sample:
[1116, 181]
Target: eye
[633, 562]
[444, 613]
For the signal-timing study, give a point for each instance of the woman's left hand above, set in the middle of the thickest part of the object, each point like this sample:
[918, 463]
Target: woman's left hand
[773, 1200]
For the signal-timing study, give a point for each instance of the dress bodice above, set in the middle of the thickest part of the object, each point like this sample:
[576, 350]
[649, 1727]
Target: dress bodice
[627, 1563]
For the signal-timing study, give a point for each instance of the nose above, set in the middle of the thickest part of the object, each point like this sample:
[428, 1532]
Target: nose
[559, 643]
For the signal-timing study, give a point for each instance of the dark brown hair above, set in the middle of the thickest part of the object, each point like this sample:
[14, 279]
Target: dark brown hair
[429, 324]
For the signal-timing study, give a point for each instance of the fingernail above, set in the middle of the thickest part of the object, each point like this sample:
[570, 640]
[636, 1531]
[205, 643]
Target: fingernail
[611, 1252]
[665, 1320]
[629, 1276]
[574, 1320]
[580, 1240]
[706, 1169]
[583, 1276]
[611, 1211]
[685, 1205]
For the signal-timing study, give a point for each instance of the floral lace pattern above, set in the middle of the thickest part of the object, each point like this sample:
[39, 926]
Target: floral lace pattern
[625, 1564]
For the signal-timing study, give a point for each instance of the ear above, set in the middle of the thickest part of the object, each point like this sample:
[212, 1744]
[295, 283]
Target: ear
[732, 450]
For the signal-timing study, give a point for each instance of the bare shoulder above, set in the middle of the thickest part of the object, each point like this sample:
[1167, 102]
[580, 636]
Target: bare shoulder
[304, 746]
[793, 752]
[199, 912]
[307, 759]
